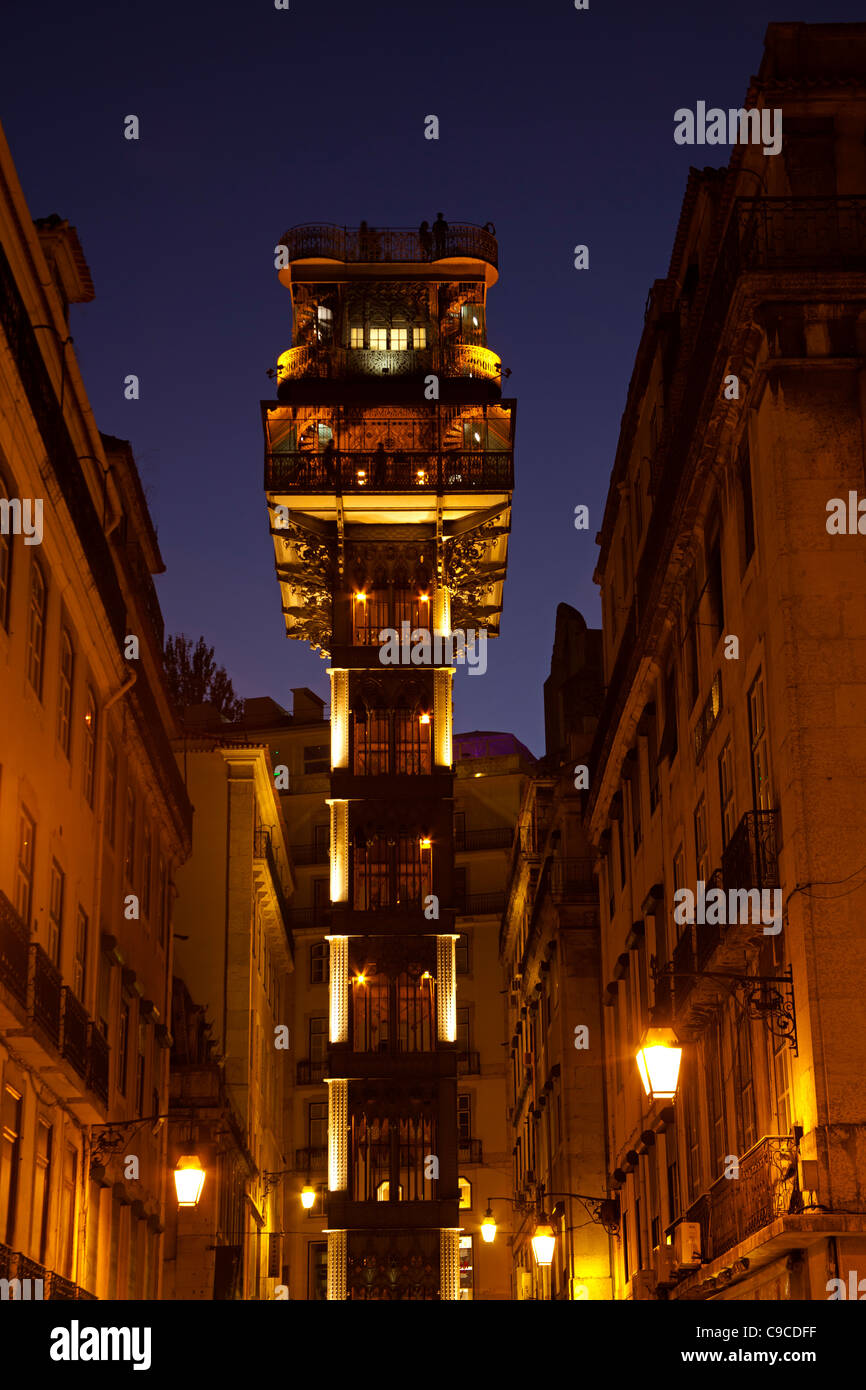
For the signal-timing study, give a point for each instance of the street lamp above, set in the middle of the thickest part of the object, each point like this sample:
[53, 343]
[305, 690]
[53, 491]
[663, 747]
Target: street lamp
[308, 1197]
[543, 1242]
[658, 1060]
[189, 1180]
[488, 1227]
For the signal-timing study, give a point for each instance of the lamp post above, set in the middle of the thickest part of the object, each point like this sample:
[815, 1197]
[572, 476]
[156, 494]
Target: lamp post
[604, 1211]
[189, 1179]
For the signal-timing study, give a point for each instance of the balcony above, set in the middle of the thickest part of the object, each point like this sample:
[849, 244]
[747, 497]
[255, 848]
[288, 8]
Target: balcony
[98, 1064]
[481, 904]
[312, 1160]
[456, 360]
[263, 849]
[416, 470]
[751, 859]
[468, 1063]
[490, 837]
[45, 986]
[54, 1287]
[75, 1025]
[571, 878]
[325, 241]
[469, 1151]
[731, 1212]
[310, 854]
[321, 915]
[310, 1073]
[14, 951]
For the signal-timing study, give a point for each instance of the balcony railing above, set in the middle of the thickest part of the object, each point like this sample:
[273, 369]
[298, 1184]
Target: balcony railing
[570, 878]
[97, 1077]
[468, 1063]
[311, 1159]
[481, 904]
[469, 1151]
[18, 1267]
[731, 1212]
[310, 854]
[310, 1073]
[318, 916]
[325, 241]
[391, 471]
[263, 849]
[322, 362]
[488, 837]
[14, 950]
[75, 1023]
[751, 859]
[45, 986]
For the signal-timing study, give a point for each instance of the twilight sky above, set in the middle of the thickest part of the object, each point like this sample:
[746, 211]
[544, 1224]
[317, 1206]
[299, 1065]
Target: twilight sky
[556, 125]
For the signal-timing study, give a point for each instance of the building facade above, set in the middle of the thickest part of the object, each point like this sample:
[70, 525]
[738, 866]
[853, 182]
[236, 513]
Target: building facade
[388, 478]
[234, 954]
[94, 819]
[550, 952]
[727, 765]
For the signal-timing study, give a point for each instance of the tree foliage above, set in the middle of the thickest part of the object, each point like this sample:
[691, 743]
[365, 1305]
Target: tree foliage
[194, 678]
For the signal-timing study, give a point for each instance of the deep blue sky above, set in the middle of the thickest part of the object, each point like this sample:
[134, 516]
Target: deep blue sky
[557, 125]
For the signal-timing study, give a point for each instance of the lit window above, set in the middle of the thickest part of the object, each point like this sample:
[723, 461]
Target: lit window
[378, 338]
[89, 745]
[399, 339]
[465, 1188]
[356, 335]
[419, 337]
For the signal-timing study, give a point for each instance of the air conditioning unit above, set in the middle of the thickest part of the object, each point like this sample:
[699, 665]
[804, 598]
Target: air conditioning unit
[687, 1245]
[664, 1262]
[643, 1283]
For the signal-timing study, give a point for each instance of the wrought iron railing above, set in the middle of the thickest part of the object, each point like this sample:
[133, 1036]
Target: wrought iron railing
[14, 950]
[570, 877]
[468, 1063]
[323, 362]
[321, 915]
[328, 242]
[309, 1072]
[390, 471]
[709, 717]
[767, 1188]
[264, 849]
[97, 1074]
[481, 904]
[469, 1151]
[311, 1159]
[488, 837]
[75, 1022]
[45, 985]
[751, 857]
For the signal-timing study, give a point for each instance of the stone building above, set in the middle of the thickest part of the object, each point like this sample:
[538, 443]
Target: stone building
[729, 754]
[94, 818]
[549, 945]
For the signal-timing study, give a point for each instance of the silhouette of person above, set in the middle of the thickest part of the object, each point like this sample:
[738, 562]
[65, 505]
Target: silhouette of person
[328, 461]
[440, 230]
[425, 237]
[379, 465]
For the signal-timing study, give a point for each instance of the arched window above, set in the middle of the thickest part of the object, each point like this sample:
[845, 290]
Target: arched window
[36, 627]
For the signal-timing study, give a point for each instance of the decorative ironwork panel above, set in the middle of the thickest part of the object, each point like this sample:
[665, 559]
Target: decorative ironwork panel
[402, 1266]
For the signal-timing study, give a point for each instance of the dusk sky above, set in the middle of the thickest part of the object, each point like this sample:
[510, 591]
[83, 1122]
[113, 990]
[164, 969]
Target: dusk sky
[556, 125]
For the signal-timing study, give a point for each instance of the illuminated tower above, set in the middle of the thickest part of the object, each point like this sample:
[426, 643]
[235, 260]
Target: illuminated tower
[388, 472]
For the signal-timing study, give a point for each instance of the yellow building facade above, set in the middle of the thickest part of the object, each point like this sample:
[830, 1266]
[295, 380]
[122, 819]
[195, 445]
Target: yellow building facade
[94, 819]
[727, 765]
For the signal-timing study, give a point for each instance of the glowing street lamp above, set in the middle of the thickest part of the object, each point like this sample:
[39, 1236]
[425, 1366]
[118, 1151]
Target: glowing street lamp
[543, 1242]
[488, 1227]
[189, 1180]
[658, 1060]
[308, 1197]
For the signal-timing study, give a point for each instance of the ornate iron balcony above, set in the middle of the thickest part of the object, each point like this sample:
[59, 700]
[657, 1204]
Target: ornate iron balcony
[751, 859]
[325, 241]
[397, 471]
[320, 362]
[766, 1189]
